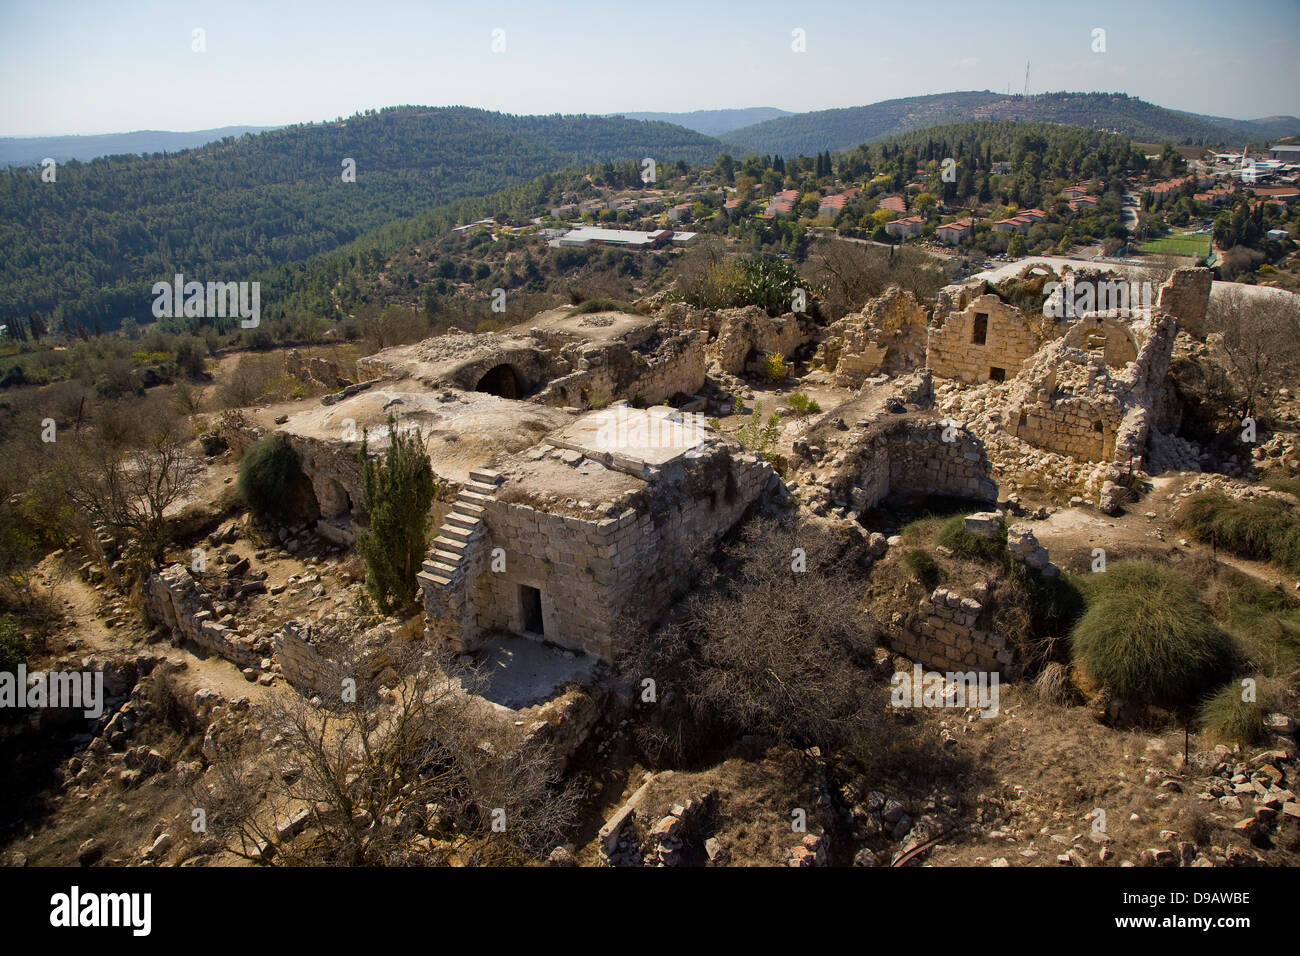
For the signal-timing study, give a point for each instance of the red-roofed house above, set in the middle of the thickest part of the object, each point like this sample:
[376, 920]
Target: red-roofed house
[1284, 193]
[903, 228]
[954, 232]
[894, 204]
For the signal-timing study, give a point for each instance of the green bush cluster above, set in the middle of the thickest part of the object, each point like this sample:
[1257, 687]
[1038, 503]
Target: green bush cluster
[397, 492]
[267, 475]
[1146, 636]
[1263, 529]
[954, 536]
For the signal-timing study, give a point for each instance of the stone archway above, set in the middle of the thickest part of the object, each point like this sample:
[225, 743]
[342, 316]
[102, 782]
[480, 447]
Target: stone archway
[501, 381]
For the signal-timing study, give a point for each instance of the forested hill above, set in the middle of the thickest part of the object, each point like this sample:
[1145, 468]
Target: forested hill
[712, 122]
[29, 150]
[87, 248]
[809, 133]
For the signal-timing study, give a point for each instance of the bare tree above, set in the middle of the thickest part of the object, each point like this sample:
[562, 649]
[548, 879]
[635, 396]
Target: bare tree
[125, 481]
[415, 773]
[1255, 336]
[774, 641]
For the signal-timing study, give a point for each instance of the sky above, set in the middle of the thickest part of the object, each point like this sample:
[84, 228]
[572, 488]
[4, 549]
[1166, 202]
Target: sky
[102, 66]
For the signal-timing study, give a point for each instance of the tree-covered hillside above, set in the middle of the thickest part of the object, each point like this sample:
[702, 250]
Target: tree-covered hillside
[86, 249]
[808, 133]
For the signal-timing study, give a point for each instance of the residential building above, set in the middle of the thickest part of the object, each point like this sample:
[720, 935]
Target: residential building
[954, 232]
[904, 228]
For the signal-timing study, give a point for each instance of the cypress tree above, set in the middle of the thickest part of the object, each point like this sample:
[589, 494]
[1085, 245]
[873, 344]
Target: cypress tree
[397, 492]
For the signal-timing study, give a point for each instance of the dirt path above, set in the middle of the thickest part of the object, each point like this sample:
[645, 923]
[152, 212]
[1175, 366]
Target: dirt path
[1150, 524]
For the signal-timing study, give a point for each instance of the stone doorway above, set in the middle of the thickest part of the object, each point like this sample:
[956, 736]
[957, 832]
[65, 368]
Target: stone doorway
[530, 610]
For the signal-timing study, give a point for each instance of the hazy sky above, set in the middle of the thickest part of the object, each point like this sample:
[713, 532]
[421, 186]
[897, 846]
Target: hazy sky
[99, 66]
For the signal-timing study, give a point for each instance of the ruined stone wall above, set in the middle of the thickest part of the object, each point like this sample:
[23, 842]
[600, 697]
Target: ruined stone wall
[1085, 428]
[316, 660]
[750, 328]
[569, 560]
[921, 462]
[304, 665]
[173, 599]
[1109, 336]
[655, 552]
[1186, 296]
[1072, 402]
[905, 457]
[670, 366]
[335, 474]
[947, 635]
[888, 336]
[951, 351]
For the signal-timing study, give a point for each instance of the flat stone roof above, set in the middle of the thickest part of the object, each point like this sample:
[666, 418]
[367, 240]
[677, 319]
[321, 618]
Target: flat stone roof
[599, 464]
[595, 327]
[461, 430]
[626, 437]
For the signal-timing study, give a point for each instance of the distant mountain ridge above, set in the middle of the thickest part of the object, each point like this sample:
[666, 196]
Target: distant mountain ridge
[809, 133]
[712, 122]
[30, 150]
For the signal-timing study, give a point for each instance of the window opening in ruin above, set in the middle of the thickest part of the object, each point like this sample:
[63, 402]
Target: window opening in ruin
[500, 381]
[1096, 426]
[1023, 420]
[980, 331]
[997, 374]
[530, 604]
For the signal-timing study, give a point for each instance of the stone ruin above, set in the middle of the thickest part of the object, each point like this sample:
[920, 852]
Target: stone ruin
[887, 337]
[558, 511]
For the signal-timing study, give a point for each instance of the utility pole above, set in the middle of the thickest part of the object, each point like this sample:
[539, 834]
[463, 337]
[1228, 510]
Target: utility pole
[1026, 78]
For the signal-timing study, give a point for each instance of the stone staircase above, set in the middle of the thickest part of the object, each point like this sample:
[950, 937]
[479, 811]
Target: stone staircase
[444, 568]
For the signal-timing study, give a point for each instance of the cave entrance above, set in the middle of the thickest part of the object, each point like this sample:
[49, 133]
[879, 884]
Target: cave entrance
[501, 381]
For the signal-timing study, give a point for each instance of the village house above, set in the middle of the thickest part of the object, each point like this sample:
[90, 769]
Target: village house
[954, 232]
[904, 228]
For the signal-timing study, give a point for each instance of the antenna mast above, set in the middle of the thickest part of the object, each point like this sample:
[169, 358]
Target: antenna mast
[1026, 78]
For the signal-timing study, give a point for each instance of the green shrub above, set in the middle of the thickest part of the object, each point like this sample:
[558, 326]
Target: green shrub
[1290, 485]
[758, 436]
[1263, 529]
[802, 404]
[268, 474]
[774, 367]
[924, 568]
[1226, 717]
[397, 492]
[1266, 620]
[1146, 636]
[954, 536]
[13, 649]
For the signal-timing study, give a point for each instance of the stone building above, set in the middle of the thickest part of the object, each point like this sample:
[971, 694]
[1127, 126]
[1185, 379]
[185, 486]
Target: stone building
[601, 516]
[982, 340]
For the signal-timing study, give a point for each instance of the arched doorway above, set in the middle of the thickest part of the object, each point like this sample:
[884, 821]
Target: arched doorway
[501, 381]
